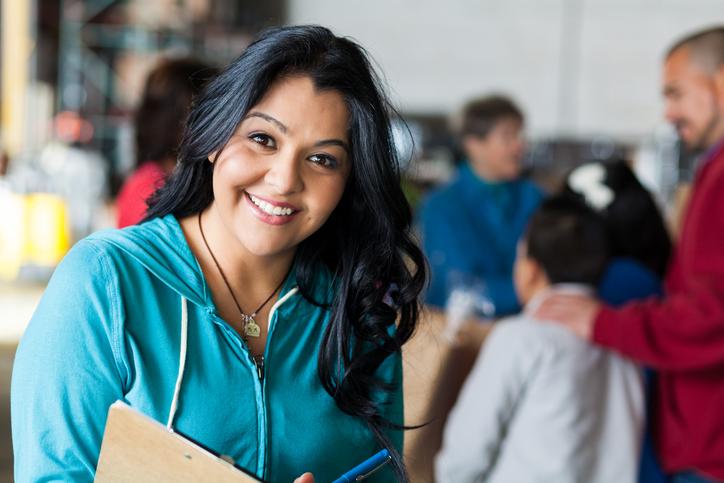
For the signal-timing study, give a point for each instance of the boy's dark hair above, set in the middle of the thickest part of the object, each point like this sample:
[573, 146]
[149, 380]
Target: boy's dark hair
[482, 114]
[568, 240]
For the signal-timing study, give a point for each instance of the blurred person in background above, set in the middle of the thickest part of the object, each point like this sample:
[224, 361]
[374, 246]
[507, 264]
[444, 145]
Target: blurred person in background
[681, 335]
[159, 123]
[71, 168]
[540, 404]
[470, 226]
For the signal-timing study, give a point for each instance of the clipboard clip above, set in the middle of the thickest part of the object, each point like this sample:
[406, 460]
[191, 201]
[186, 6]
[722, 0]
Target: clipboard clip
[373, 470]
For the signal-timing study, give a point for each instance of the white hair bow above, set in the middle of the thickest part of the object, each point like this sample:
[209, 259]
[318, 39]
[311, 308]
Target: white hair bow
[587, 181]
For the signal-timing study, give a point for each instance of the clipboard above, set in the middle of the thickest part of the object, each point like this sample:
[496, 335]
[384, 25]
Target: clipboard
[138, 449]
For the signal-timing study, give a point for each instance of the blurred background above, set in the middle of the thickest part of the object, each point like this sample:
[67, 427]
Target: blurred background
[585, 72]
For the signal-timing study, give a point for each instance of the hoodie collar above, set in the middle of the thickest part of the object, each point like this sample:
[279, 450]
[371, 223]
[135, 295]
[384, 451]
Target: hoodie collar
[161, 247]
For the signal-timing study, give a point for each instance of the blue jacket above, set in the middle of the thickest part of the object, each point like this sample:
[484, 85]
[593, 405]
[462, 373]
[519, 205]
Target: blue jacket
[109, 327]
[470, 229]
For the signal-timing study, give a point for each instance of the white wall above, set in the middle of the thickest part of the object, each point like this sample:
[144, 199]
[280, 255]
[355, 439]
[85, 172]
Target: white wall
[577, 67]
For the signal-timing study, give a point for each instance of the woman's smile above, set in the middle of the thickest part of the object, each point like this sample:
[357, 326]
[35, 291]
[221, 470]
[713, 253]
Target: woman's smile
[271, 212]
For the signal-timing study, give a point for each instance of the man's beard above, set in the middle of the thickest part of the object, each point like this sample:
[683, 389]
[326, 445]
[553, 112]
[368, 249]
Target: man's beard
[704, 141]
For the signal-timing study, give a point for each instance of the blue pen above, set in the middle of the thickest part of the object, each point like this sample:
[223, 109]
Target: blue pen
[366, 468]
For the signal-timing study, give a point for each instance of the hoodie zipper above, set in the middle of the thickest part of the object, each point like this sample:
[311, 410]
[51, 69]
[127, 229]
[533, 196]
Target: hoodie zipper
[271, 323]
[258, 377]
[258, 362]
[236, 339]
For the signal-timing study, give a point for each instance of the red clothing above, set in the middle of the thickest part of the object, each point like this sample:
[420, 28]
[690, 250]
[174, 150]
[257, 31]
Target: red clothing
[682, 335]
[131, 204]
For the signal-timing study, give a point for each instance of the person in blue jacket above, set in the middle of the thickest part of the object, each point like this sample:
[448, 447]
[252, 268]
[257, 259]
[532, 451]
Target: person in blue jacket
[470, 227]
[641, 251]
[262, 306]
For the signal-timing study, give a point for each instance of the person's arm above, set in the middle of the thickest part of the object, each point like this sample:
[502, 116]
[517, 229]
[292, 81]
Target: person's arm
[478, 423]
[68, 370]
[682, 332]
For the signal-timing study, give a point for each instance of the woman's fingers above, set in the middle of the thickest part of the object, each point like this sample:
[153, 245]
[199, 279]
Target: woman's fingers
[305, 478]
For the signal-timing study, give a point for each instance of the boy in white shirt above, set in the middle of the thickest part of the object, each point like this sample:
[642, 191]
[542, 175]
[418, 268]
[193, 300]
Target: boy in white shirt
[540, 404]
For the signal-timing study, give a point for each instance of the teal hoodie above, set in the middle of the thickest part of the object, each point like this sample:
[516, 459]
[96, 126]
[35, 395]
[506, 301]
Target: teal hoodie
[109, 327]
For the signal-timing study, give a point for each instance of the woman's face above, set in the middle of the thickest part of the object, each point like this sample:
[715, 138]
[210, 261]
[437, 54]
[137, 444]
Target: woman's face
[284, 170]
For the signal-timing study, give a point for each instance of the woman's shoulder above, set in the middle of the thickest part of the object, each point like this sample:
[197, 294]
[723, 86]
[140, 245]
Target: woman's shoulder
[106, 247]
[166, 228]
[89, 255]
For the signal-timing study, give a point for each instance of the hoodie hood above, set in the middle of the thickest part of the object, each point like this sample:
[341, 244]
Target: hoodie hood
[160, 246]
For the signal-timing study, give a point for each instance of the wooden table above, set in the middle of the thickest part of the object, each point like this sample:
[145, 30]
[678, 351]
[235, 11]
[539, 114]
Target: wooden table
[434, 370]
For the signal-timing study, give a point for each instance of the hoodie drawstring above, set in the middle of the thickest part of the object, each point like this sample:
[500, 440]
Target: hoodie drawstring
[182, 351]
[181, 364]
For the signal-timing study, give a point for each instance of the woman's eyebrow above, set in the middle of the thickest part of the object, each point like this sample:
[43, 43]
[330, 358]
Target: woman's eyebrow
[268, 118]
[284, 129]
[333, 142]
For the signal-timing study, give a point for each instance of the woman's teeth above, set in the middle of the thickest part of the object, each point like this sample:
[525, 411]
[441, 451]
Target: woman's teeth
[270, 209]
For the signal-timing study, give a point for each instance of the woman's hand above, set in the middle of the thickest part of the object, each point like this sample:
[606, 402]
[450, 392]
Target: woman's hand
[305, 478]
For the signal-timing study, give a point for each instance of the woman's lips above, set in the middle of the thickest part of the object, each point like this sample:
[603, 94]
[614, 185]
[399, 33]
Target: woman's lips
[269, 211]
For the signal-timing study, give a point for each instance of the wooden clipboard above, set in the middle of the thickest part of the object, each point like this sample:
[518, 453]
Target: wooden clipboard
[137, 449]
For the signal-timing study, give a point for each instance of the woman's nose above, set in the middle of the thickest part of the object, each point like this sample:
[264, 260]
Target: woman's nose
[285, 174]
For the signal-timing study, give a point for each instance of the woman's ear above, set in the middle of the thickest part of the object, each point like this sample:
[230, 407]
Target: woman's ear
[212, 156]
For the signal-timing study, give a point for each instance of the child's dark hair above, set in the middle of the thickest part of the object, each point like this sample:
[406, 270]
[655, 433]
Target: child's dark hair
[568, 240]
[634, 222]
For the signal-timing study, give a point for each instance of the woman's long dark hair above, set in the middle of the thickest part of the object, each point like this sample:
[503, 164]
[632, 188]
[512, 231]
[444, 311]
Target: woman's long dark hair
[635, 225]
[366, 243]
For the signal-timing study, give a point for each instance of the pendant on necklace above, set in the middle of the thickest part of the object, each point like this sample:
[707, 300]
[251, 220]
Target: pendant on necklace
[251, 328]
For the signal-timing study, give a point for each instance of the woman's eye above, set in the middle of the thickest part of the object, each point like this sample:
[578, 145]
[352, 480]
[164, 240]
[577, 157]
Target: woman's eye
[324, 160]
[263, 140]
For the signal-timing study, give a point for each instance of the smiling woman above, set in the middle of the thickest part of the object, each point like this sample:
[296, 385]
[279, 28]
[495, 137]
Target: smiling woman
[262, 306]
